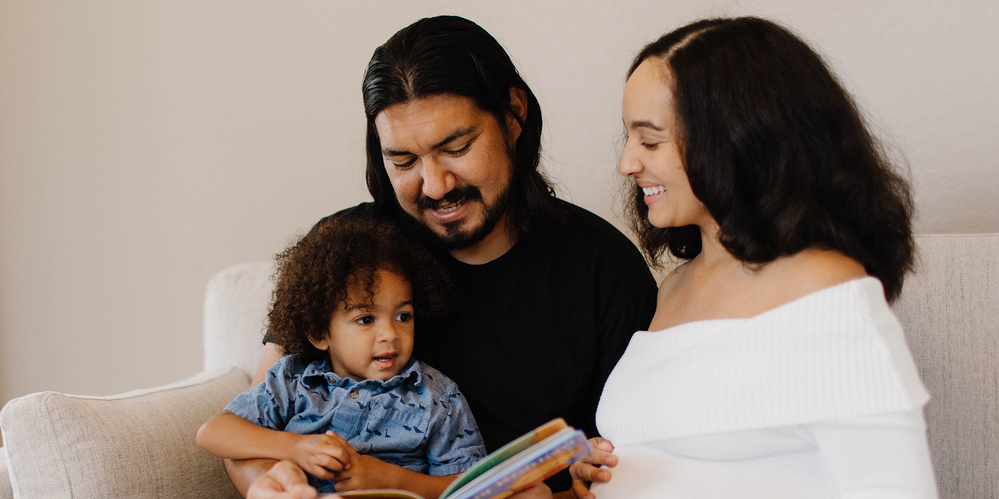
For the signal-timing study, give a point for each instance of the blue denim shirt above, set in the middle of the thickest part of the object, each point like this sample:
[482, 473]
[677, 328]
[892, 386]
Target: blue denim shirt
[417, 419]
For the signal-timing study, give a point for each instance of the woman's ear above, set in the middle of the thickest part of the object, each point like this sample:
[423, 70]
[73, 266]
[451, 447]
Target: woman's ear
[518, 106]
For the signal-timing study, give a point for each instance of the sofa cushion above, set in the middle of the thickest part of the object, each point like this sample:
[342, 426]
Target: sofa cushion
[135, 445]
[236, 304]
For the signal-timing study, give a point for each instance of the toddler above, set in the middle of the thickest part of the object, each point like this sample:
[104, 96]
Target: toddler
[344, 312]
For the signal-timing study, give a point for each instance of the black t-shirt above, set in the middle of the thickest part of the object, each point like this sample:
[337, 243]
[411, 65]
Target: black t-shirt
[537, 331]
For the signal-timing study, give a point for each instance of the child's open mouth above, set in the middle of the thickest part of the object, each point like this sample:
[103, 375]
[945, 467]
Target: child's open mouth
[385, 361]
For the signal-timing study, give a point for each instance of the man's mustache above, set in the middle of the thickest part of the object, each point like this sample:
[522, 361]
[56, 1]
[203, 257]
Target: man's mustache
[456, 195]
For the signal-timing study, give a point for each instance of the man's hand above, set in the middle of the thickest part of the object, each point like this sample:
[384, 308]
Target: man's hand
[285, 480]
[539, 491]
[588, 470]
[323, 455]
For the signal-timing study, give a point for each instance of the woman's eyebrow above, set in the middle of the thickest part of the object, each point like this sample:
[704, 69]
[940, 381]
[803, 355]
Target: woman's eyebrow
[646, 124]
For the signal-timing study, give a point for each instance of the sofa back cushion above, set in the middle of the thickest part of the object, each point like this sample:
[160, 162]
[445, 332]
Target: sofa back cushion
[135, 445]
[237, 300]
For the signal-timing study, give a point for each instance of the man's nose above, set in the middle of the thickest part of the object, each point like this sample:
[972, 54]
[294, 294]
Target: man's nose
[437, 179]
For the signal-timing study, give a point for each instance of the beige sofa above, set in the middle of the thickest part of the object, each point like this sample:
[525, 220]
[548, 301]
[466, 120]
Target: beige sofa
[141, 444]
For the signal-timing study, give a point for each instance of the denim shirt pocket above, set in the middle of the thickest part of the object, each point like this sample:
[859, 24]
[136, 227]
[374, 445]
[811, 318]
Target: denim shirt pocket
[395, 429]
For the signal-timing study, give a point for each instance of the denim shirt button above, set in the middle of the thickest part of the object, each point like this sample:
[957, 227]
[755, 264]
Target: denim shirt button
[353, 394]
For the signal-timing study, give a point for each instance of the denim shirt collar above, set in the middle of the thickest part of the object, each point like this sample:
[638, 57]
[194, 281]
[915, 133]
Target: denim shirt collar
[320, 372]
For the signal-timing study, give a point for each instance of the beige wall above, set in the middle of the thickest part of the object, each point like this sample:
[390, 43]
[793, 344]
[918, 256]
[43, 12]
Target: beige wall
[146, 145]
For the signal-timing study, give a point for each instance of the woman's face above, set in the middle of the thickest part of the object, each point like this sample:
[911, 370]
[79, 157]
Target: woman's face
[652, 153]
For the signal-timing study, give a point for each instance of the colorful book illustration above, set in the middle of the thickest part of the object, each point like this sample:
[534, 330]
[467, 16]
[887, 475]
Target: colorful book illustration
[516, 466]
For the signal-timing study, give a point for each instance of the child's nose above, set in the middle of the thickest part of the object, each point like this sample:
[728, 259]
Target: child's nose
[387, 333]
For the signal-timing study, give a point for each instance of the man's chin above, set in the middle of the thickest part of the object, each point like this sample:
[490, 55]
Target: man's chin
[457, 237]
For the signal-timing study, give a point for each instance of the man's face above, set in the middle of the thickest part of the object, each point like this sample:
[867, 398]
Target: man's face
[450, 165]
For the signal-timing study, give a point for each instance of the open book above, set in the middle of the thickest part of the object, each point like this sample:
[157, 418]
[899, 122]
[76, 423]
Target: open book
[516, 466]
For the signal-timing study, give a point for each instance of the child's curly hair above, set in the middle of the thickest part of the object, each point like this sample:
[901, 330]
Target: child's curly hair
[314, 276]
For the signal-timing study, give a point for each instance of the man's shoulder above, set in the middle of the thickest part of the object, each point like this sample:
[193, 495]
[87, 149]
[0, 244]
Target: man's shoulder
[366, 209]
[586, 231]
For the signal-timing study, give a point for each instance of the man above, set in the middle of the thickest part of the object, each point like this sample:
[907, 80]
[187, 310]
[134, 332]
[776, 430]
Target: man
[549, 293]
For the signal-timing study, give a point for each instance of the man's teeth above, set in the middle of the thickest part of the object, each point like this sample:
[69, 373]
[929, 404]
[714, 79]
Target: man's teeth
[449, 208]
[652, 191]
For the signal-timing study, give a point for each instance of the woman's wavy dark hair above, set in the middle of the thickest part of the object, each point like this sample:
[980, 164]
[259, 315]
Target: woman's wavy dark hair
[340, 254]
[778, 153]
[452, 55]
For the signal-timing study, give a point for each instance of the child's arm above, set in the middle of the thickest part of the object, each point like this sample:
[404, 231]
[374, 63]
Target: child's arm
[229, 436]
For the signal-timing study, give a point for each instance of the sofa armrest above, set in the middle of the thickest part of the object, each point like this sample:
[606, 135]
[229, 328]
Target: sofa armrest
[6, 491]
[138, 444]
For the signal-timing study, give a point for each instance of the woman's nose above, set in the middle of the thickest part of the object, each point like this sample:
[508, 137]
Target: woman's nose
[629, 164]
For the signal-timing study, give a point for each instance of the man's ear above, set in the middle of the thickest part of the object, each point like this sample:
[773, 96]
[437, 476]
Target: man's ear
[518, 105]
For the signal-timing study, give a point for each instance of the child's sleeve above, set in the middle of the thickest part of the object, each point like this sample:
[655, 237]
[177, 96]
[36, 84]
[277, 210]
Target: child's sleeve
[271, 403]
[454, 443]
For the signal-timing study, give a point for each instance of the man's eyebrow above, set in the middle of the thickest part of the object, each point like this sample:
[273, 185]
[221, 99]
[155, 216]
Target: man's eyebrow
[457, 134]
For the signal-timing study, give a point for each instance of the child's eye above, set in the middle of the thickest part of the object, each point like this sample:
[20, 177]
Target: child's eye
[404, 317]
[364, 319]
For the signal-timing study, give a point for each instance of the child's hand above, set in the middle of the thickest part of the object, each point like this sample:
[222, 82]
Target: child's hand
[366, 472]
[323, 455]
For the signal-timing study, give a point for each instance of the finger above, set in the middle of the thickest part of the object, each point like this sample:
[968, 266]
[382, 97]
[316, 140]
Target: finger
[306, 492]
[285, 480]
[342, 451]
[349, 449]
[287, 474]
[344, 485]
[340, 476]
[321, 472]
[328, 462]
[602, 444]
[581, 491]
[335, 458]
[588, 473]
[600, 458]
[539, 491]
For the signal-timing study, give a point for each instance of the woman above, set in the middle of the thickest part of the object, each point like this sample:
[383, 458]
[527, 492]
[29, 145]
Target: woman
[773, 366]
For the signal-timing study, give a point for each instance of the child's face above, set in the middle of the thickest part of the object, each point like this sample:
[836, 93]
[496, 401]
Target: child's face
[372, 341]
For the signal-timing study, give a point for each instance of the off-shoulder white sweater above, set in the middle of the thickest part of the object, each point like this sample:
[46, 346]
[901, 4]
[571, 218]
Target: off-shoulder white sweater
[817, 398]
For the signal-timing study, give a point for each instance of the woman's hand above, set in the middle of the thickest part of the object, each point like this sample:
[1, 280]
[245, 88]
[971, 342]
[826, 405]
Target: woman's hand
[588, 470]
[285, 480]
[323, 455]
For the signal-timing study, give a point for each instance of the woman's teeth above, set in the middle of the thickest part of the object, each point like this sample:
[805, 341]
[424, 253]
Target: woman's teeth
[652, 191]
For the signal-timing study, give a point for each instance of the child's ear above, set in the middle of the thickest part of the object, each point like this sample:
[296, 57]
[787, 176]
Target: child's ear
[321, 344]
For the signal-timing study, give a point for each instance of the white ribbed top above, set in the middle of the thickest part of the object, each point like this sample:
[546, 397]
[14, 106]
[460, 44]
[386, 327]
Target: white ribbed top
[836, 353]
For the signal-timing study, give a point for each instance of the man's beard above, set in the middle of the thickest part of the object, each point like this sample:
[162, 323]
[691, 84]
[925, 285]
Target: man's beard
[454, 237]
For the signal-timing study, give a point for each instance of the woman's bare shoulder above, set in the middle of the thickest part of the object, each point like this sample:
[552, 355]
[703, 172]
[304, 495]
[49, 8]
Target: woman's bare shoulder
[812, 270]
